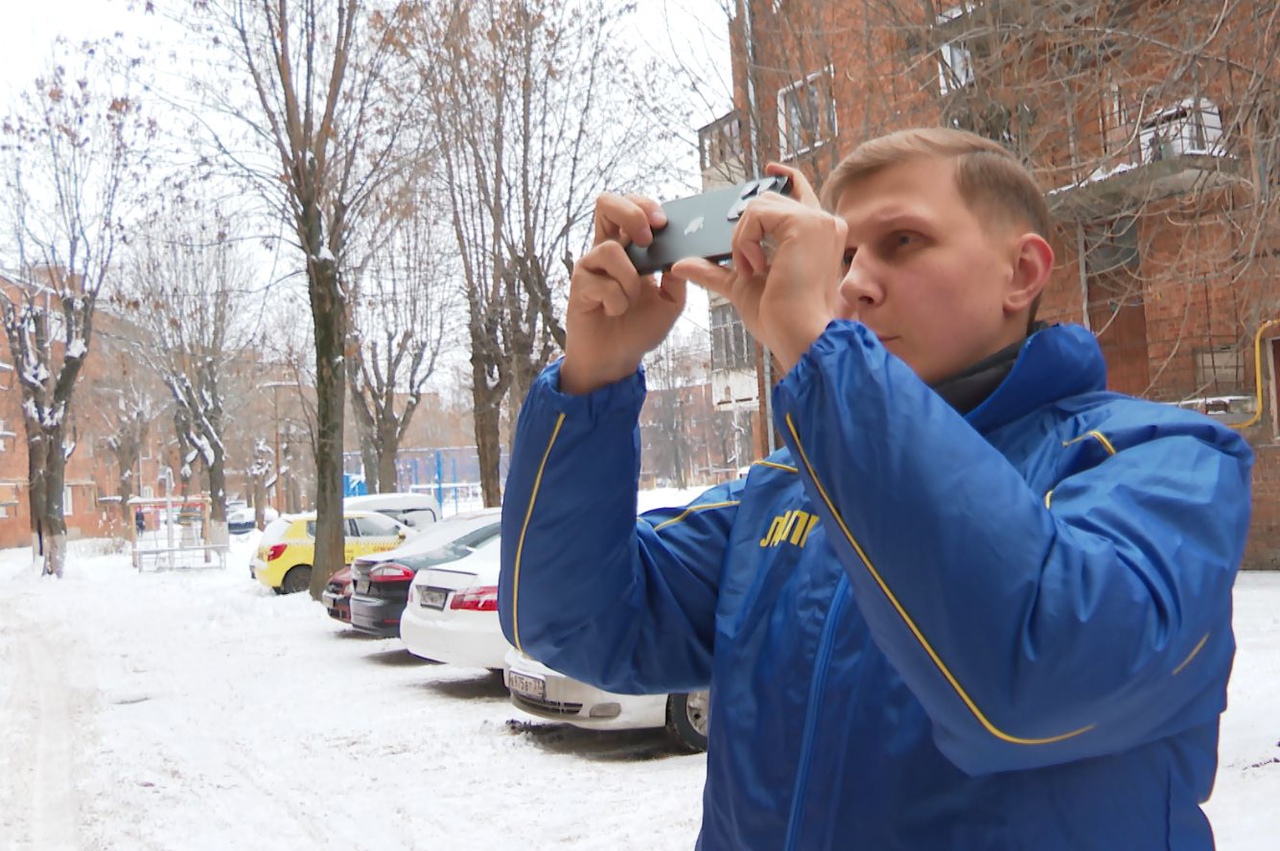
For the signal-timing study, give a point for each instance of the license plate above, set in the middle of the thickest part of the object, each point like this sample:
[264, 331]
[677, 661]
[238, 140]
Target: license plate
[523, 684]
[362, 587]
[432, 598]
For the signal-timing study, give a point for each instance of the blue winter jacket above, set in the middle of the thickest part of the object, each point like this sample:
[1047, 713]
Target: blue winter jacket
[1007, 630]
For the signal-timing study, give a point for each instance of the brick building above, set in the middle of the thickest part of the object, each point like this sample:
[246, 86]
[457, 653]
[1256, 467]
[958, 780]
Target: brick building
[263, 407]
[1154, 128]
[90, 494]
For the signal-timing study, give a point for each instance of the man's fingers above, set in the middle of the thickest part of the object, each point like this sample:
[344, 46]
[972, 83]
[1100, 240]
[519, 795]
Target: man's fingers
[671, 289]
[705, 274]
[609, 279]
[801, 190]
[628, 218]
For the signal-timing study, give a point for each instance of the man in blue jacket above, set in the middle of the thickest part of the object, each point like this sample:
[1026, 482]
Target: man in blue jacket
[976, 602]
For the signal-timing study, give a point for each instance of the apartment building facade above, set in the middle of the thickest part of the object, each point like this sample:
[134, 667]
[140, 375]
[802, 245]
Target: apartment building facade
[1154, 128]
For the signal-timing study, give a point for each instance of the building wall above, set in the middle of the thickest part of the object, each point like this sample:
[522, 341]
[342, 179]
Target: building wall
[1177, 299]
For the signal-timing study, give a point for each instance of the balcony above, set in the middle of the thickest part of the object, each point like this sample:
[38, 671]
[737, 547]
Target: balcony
[1173, 151]
[720, 152]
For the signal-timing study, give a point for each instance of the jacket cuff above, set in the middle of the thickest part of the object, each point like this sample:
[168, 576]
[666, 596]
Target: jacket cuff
[622, 398]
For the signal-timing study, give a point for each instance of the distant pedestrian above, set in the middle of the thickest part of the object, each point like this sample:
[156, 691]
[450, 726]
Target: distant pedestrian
[139, 521]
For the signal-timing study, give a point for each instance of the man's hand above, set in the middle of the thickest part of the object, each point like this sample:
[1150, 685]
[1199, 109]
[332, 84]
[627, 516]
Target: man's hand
[615, 316]
[785, 270]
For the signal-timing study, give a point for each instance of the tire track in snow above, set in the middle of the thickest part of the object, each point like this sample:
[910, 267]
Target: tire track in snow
[40, 716]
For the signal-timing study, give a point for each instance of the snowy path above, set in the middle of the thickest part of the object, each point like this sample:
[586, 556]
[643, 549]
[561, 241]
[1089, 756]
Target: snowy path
[195, 710]
[45, 719]
[203, 712]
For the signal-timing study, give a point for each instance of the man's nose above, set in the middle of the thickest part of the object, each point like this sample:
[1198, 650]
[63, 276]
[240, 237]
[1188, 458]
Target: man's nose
[860, 289]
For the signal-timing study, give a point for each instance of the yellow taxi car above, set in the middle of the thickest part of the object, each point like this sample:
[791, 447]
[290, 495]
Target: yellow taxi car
[288, 546]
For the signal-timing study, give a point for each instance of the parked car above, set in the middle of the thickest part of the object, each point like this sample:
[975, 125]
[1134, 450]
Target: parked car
[287, 549]
[381, 581]
[452, 613]
[337, 596]
[240, 520]
[540, 691]
[412, 509]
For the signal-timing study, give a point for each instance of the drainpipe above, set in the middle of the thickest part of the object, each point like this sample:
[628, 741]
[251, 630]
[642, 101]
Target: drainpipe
[1084, 276]
[1257, 374]
[753, 144]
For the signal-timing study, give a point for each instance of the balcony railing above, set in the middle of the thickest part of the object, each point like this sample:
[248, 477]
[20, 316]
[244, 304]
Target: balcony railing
[1172, 150]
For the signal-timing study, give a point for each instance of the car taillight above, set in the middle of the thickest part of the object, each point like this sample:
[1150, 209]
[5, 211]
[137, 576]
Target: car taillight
[481, 599]
[275, 551]
[390, 572]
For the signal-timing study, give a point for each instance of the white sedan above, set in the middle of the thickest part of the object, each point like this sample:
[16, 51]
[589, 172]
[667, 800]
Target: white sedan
[540, 691]
[452, 612]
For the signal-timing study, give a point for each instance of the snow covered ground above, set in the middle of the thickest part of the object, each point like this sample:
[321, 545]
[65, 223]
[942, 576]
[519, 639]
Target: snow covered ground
[196, 710]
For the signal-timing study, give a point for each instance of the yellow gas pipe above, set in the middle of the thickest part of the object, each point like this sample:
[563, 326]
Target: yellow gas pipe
[1257, 374]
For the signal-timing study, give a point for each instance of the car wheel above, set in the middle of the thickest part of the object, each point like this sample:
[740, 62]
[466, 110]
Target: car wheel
[688, 717]
[297, 579]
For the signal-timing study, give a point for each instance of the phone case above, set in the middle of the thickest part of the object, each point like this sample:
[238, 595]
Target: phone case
[702, 225]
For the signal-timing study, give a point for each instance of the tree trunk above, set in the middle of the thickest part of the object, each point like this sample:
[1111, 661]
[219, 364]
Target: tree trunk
[488, 416]
[259, 502]
[488, 444]
[36, 476]
[388, 451]
[370, 464]
[329, 315]
[53, 522]
[126, 460]
[218, 535]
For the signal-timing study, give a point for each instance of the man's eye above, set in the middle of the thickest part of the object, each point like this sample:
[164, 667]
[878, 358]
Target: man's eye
[847, 259]
[901, 240]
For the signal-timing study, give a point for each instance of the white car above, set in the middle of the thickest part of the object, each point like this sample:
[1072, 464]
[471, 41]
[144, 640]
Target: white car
[452, 612]
[412, 509]
[540, 691]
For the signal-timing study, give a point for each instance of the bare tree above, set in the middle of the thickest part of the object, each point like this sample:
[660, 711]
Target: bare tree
[678, 409]
[403, 302]
[316, 69]
[189, 281]
[72, 153]
[537, 110]
[126, 400]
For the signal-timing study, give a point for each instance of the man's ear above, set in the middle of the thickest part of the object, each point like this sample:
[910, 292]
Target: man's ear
[1032, 266]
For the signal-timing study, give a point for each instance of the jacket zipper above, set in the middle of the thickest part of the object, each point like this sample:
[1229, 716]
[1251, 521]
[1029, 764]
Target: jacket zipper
[816, 687]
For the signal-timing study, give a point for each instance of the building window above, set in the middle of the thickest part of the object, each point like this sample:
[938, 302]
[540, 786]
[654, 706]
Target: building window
[68, 507]
[731, 345]
[720, 142]
[955, 57]
[1220, 370]
[5, 436]
[1193, 126]
[806, 114]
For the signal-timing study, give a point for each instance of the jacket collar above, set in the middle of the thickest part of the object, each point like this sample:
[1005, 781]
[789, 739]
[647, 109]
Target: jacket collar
[1054, 363]
[970, 387]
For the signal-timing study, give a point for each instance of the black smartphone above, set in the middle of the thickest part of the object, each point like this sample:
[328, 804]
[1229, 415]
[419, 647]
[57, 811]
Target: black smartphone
[701, 226]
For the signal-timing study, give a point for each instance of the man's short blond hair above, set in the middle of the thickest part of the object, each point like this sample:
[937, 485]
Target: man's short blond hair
[991, 180]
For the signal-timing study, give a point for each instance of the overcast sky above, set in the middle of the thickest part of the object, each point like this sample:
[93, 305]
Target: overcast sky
[31, 26]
